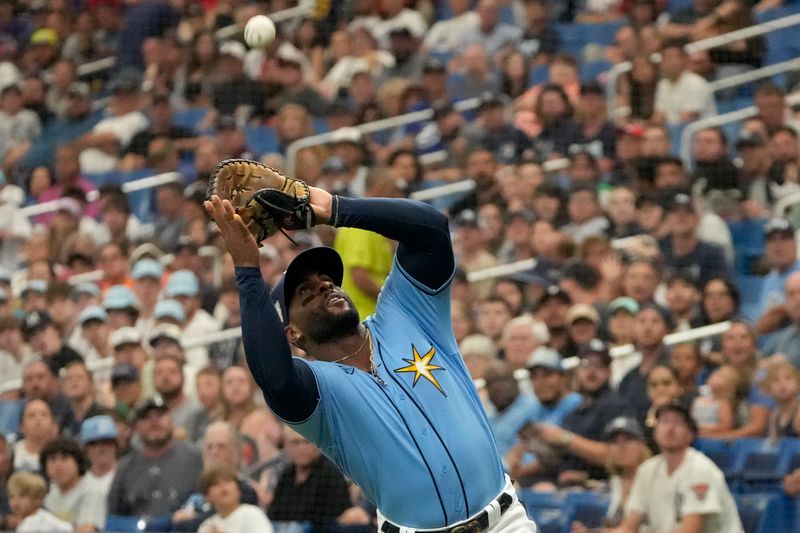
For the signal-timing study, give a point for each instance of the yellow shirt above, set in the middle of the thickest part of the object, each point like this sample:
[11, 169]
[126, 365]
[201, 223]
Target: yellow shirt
[365, 249]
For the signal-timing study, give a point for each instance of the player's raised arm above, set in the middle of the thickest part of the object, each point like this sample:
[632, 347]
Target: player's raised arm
[288, 384]
[424, 250]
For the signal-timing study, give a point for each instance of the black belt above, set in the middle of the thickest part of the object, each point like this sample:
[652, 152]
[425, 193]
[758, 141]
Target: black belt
[476, 525]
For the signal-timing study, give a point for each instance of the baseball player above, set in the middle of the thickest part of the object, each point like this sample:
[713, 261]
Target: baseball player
[389, 399]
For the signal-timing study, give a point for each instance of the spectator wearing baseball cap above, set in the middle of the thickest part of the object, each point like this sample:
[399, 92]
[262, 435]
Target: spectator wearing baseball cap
[126, 384]
[553, 399]
[781, 257]
[626, 451]
[583, 325]
[33, 296]
[122, 307]
[552, 309]
[682, 249]
[169, 312]
[621, 317]
[99, 438]
[184, 287]
[147, 274]
[94, 332]
[695, 481]
[40, 332]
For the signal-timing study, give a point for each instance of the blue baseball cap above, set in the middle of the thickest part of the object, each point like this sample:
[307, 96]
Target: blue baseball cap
[321, 259]
[182, 283]
[34, 285]
[87, 288]
[97, 428]
[120, 297]
[92, 312]
[169, 309]
[147, 268]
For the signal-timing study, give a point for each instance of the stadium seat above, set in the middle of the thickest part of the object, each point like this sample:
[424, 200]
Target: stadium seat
[189, 118]
[350, 529]
[10, 416]
[751, 510]
[593, 70]
[588, 508]
[261, 140]
[538, 74]
[782, 515]
[546, 508]
[132, 524]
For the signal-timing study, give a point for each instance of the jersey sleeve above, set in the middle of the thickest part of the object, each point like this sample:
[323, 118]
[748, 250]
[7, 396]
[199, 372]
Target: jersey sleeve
[703, 495]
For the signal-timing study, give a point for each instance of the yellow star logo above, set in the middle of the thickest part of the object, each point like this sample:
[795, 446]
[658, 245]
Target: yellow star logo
[421, 366]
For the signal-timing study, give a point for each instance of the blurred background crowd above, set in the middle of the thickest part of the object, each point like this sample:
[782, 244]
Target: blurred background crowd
[630, 159]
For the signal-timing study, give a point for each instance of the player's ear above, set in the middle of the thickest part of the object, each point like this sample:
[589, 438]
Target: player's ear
[293, 335]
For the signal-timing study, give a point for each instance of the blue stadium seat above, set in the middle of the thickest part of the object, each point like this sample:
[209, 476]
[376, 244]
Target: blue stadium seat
[546, 508]
[10, 416]
[729, 456]
[782, 514]
[350, 529]
[189, 118]
[587, 508]
[261, 140]
[751, 510]
[538, 74]
[676, 6]
[132, 524]
[592, 70]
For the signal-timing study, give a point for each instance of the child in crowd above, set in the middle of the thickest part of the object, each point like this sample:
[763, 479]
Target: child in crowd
[221, 488]
[26, 493]
[782, 384]
[715, 408]
[688, 363]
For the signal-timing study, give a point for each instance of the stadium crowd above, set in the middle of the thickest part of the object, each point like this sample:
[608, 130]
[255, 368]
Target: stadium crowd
[120, 408]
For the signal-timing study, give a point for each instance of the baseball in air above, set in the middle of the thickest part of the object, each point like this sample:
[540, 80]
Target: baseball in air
[259, 31]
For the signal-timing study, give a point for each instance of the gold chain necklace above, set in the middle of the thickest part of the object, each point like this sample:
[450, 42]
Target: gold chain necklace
[367, 339]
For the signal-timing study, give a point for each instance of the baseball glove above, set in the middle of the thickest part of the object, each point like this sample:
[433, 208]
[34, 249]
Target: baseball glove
[266, 200]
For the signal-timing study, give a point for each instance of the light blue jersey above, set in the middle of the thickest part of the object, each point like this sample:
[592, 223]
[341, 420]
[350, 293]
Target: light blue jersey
[388, 433]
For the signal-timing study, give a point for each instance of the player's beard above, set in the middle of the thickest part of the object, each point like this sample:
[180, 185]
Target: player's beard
[324, 326]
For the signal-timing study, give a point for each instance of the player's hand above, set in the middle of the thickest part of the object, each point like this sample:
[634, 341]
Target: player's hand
[322, 204]
[240, 242]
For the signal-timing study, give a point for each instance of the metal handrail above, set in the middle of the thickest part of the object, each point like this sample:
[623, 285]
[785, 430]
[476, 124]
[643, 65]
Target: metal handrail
[626, 350]
[744, 33]
[753, 75]
[148, 182]
[99, 65]
[779, 210]
[367, 128]
[718, 120]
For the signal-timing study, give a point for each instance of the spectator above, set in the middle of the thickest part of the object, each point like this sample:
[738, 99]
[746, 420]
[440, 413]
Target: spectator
[39, 428]
[184, 286]
[698, 486]
[78, 386]
[147, 274]
[712, 163]
[782, 384]
[622, 313]
[69, 497]
[226, 353]
[152, 481]
[19, 125]
[683, 250]
[626, 451]
[781, 256]
[583, 325]
[476, 78]
[100, 148]
[681, 96]
[221, 449]
[27, 492]
[581, 434]
[39, 330]
[310, 488]
[220, 487]
[293, 85]
[759, 177]
[478, 352]
[493, 314]
[93, 340]
[112, 258]
[447, 36]
[496, 36]
[67, 172]
[784, 341]
[540, 40]
[257, 425]
[127, 388]
[521, 336]
[739, 349]
[168, 380]
[99, 438]
[15, 353]
[651, 326]
[683, 299]
[559, 131]
[121, 305]
[715, 409]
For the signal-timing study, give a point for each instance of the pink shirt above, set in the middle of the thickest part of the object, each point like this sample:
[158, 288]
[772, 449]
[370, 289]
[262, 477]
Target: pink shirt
[55, 192]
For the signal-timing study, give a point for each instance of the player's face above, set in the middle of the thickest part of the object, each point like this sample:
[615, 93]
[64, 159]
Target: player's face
[320, 310]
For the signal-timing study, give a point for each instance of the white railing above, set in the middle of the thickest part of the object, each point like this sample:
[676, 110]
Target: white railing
[753, 75]
[87, 69]
[718, 120]
[132, 186]
[367, 128]
[628, 349]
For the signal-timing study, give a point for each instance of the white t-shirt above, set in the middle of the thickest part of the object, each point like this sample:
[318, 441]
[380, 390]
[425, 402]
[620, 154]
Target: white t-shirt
[44, 520]
[447, 35]
[124, 127]
[689, 94]
[80, 505]
[201, 324]
[245, 519]
[99, 484]
[25, 460]
[697, 486]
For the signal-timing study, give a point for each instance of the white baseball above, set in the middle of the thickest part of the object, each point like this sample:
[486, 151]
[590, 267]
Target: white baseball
[259, 31]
